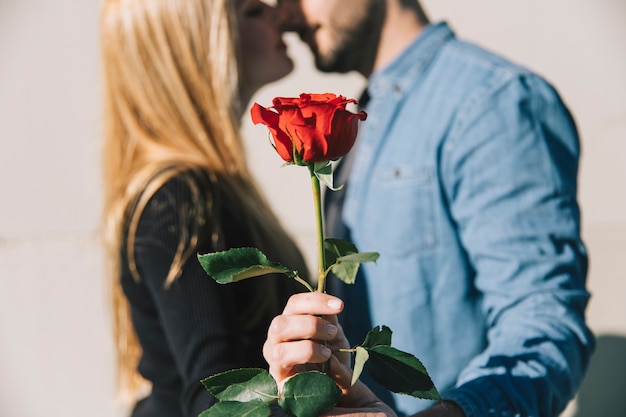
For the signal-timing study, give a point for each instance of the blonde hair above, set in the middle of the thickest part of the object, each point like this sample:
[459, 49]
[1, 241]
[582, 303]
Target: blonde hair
[170, 87]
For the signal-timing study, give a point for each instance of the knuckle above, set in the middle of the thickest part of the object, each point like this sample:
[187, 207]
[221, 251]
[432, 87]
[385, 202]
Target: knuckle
[278, 325]
[309, 349]
[268, 348]
[278, 354]
[309, 327]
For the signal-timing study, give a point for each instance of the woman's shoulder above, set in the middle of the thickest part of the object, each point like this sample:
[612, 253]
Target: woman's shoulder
[176, 204]
[188, 186]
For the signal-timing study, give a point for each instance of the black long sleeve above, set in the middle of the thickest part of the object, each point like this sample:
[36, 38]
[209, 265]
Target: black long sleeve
[193, 328]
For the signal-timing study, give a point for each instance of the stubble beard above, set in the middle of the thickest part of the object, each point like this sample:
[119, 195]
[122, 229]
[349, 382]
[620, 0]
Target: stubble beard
[354, 46]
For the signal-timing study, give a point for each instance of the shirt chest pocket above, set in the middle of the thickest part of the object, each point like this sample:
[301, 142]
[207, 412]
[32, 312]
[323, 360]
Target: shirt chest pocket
[398, 216]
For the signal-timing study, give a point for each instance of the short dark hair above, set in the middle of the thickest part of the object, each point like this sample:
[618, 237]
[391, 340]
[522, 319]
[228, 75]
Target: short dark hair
[417, 7]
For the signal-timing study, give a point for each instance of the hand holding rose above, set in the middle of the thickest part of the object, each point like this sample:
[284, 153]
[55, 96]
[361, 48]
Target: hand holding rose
[312, 130]
[293, 346]
[293, 340]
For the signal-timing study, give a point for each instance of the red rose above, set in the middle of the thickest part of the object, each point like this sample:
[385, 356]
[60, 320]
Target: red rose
[310, 128]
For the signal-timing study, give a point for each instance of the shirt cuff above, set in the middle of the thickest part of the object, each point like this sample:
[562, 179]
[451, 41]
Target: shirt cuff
[480, 398]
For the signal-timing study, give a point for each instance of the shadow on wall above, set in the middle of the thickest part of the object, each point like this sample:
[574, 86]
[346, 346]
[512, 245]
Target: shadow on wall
[603, 392]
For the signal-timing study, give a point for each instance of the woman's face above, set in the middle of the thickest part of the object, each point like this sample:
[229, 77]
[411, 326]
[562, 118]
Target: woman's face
[264, 54]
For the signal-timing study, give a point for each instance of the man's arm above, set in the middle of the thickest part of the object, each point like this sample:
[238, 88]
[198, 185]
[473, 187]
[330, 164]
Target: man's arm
[510, 175]
[442, 409]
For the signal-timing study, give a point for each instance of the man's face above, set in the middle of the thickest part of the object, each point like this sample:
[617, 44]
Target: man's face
[342, 34]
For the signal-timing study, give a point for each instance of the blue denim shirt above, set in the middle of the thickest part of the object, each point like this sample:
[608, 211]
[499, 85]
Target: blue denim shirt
[464, 180]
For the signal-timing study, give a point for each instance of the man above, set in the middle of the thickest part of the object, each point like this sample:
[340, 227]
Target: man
[464, 180]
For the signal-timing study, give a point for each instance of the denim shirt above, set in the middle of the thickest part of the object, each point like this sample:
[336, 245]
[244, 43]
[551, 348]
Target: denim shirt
[464, 180]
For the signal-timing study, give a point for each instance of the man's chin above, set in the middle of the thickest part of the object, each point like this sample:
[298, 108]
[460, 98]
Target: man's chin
[330, 65]
[323, 63]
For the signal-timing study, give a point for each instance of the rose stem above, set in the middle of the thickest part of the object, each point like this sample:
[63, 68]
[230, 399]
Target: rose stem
[321, 261]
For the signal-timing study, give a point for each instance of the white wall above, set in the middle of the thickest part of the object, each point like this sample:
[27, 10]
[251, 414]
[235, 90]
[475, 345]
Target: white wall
[55, 346]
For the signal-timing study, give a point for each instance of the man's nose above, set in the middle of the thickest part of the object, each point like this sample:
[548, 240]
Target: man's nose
[289, 15]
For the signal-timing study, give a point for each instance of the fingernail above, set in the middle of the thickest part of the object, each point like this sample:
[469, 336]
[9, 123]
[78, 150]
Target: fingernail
[331, 329]
[334, 304]
[326, 351]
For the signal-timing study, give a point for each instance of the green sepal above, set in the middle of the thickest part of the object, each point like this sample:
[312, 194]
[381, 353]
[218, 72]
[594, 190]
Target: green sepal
[238, 264]
[246, 384]
[298, 158]
[309, 394]
[324, 172]
[400, 372]
[234, 408]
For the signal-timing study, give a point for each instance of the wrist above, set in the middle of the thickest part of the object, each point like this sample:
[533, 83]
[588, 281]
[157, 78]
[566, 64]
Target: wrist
[452, 409]
[444, 408]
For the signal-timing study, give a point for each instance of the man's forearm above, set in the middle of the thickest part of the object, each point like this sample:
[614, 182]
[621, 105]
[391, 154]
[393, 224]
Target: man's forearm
[442, 409]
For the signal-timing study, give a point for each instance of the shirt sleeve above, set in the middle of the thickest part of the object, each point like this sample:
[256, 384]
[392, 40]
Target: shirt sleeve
[195, 313]
[511, 165]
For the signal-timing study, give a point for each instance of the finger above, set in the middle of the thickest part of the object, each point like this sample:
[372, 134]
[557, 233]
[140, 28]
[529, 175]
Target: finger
[361, 398]
[284, 358]
[292, 328]
[378, 410]
[340, 373]
[313, 303]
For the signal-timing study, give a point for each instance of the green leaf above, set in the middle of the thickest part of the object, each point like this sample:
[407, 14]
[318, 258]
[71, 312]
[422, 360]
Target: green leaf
[345, 259]
[333, 250]
[242, 385]
[309, 394]
[360, 257]
[400, 372]
[359, 362]
[238, 264]
[233, 408]
[346, 271]
[336, 248]
[378, 336]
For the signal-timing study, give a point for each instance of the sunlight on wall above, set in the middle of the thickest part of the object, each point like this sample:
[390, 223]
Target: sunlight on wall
[55, 342]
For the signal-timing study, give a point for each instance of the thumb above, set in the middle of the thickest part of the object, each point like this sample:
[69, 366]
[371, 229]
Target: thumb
[340, 373]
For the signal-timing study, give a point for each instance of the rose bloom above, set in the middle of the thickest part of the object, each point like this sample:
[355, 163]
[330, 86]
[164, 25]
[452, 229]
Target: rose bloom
[310, 128]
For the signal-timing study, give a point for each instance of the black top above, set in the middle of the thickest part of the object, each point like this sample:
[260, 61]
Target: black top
[194, 328]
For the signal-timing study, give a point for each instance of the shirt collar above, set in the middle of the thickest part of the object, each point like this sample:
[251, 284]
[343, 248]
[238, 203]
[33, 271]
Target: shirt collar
[401, 73]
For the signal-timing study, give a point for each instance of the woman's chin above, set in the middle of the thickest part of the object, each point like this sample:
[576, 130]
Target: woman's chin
[281, 69]
[276, 76]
